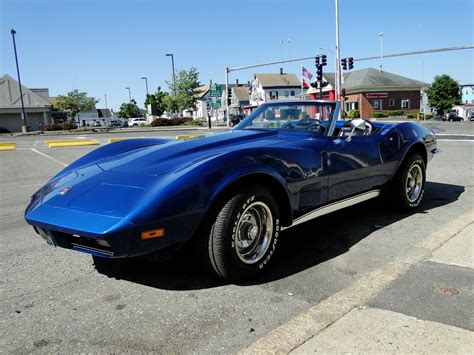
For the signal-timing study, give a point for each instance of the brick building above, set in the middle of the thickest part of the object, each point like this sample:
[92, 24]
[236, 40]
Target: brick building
[370, 90]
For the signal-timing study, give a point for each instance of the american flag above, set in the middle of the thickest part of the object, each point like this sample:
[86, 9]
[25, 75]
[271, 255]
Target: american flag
[306, 73]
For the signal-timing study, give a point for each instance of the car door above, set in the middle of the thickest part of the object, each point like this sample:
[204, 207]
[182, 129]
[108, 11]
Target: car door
[354, 166]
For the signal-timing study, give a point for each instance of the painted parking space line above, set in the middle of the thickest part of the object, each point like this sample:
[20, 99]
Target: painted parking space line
[49, 157]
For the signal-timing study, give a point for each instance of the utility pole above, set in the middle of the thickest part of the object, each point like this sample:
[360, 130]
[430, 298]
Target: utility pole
[106, 106]
[338, 58]
[227, 93]
[24, 128]
[129, 94]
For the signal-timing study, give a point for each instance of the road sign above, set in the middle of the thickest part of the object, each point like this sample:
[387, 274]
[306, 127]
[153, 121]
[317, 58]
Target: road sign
[216, 102]
[216, 90]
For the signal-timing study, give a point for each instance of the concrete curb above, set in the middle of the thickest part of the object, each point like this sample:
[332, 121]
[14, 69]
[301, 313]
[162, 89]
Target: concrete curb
[7, 146]
[297, 331]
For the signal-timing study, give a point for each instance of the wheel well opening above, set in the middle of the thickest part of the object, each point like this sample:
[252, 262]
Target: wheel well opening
[279, 192]
[420, 149]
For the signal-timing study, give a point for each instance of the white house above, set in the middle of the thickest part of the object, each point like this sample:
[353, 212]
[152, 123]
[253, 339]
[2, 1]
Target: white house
[269, 87]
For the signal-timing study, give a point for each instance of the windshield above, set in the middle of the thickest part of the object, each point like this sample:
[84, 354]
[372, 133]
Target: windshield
[295, 116]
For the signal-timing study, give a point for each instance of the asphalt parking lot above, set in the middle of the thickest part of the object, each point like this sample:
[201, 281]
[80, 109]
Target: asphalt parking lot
[53, 300]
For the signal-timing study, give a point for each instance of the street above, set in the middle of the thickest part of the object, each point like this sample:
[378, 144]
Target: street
[53, 300]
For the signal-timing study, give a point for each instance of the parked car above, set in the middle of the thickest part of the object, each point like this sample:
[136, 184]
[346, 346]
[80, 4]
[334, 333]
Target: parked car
[115, 123]
[452, 117]
[234, 120]
[96, 124]
[134, 122]
[230, 194]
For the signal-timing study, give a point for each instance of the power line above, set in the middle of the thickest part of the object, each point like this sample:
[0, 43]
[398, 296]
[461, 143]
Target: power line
[426, 51]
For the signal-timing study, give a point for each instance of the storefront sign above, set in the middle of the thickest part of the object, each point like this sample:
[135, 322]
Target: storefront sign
[376, 95]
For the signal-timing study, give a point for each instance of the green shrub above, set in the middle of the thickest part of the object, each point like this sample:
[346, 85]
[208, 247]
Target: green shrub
[395, 113]
[193, 123]
[377, 115]
[428, 116]
[354, 114]
[412, 115]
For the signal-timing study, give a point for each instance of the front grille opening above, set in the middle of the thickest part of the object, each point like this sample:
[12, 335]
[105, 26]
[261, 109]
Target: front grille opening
[81, 243]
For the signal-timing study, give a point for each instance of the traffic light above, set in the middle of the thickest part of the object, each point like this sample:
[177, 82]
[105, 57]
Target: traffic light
[324, 60]
[314, 84]
[229, 96]
[343, 92]
[350, 61]
[319, 72]
[317, 61]
[344, 63]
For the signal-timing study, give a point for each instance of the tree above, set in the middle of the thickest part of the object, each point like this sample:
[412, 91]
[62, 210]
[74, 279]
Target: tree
[157, 100]
[444, 93]
[183, 89]
[74, 102]
[129, 109]
[170, 104]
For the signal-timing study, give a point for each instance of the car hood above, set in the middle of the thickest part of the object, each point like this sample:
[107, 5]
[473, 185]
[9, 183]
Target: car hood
[177, 155]
[113, 187]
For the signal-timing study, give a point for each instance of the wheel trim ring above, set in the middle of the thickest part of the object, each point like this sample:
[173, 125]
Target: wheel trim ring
[259, 246]
[414, 183]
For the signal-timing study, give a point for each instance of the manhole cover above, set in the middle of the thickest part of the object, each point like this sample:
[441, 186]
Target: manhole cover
[448, 291]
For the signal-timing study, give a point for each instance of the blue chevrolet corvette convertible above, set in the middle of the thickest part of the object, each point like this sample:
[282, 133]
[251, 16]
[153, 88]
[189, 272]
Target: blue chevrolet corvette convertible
[232, 193]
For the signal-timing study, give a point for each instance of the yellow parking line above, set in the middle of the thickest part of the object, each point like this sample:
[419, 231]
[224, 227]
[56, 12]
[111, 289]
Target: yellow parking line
[190, 136]
[7, 146]
[71, 143]
[113, 140]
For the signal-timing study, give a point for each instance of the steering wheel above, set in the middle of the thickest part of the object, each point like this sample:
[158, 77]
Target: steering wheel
[305, 123]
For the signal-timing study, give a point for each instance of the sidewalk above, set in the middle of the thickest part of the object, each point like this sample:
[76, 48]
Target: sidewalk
[423, 303]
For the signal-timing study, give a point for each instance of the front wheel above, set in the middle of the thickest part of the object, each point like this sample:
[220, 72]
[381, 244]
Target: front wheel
[408, 185]
[243, 234]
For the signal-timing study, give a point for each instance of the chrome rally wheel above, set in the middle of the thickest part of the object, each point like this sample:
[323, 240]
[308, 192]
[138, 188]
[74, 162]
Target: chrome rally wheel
[414, 183]
[254, 233]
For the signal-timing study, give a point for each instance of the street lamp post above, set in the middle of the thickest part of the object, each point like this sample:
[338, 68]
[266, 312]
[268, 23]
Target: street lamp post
[174, 76]
[24, 128]
[129, 94]
[381, 49]
[146, 83]
[106, 106]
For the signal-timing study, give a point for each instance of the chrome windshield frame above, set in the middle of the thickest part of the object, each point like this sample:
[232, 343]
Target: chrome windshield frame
[331, 124]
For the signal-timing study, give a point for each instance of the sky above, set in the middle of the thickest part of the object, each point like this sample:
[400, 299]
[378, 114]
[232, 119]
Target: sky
[104, 46]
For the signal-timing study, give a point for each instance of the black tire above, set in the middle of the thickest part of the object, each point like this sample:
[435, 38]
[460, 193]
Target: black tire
[408, 187]
[236, 223]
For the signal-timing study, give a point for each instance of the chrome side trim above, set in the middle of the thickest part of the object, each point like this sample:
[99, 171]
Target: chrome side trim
[339, 205]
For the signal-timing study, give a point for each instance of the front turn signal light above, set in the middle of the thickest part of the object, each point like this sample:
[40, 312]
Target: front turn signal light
[156, 233]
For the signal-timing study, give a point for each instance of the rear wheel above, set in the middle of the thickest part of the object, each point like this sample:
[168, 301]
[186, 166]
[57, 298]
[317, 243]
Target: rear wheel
[243, 234]
[408, 185]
